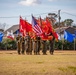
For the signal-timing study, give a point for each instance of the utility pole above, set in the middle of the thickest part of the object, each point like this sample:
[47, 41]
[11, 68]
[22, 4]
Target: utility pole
[59, 22]
[59, 18]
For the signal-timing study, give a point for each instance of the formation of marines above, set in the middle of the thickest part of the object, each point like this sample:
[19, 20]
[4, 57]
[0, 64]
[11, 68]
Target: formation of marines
[34, 45]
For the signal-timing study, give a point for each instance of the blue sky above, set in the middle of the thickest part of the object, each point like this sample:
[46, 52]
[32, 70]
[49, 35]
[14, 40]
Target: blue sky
[10, 10]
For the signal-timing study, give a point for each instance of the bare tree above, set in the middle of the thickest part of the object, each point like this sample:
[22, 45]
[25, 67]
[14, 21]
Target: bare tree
[2, 27]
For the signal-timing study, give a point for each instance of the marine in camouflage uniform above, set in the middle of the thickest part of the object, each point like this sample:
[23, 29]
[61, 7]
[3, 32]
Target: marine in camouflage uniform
[38, 44]
[23, 44]
[44, 49]
[52, 43]
[35, 45]
[31, 44]
[28, 44]
[18, 39]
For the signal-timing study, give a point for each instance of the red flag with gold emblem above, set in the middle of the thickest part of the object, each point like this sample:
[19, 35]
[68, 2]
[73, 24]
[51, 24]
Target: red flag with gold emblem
[25, 26]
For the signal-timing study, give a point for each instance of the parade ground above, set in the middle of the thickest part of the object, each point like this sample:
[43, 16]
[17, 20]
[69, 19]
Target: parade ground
[61, 63]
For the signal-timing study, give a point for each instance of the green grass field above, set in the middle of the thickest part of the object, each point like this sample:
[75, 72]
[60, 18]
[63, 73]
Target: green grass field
[61, 63]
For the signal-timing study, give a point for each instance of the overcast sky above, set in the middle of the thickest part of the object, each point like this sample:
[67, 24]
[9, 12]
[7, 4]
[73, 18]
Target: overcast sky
[10, 10]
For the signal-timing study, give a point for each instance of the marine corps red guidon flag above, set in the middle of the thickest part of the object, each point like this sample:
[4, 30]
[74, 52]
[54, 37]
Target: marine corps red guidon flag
[28, 27]
[22, 26]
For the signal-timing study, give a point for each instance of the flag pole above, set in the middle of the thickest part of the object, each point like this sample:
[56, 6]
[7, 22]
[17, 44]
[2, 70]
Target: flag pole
[75, 40]
[6, 44]
[74, 43]
[40, 22]
[62, 43]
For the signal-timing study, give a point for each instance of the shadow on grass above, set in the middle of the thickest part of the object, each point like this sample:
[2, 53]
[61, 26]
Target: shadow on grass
[72, 68]
[68, 70]
[39, 62]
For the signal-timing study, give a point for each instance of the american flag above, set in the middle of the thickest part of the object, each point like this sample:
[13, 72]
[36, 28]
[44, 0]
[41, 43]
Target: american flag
[36, 27]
